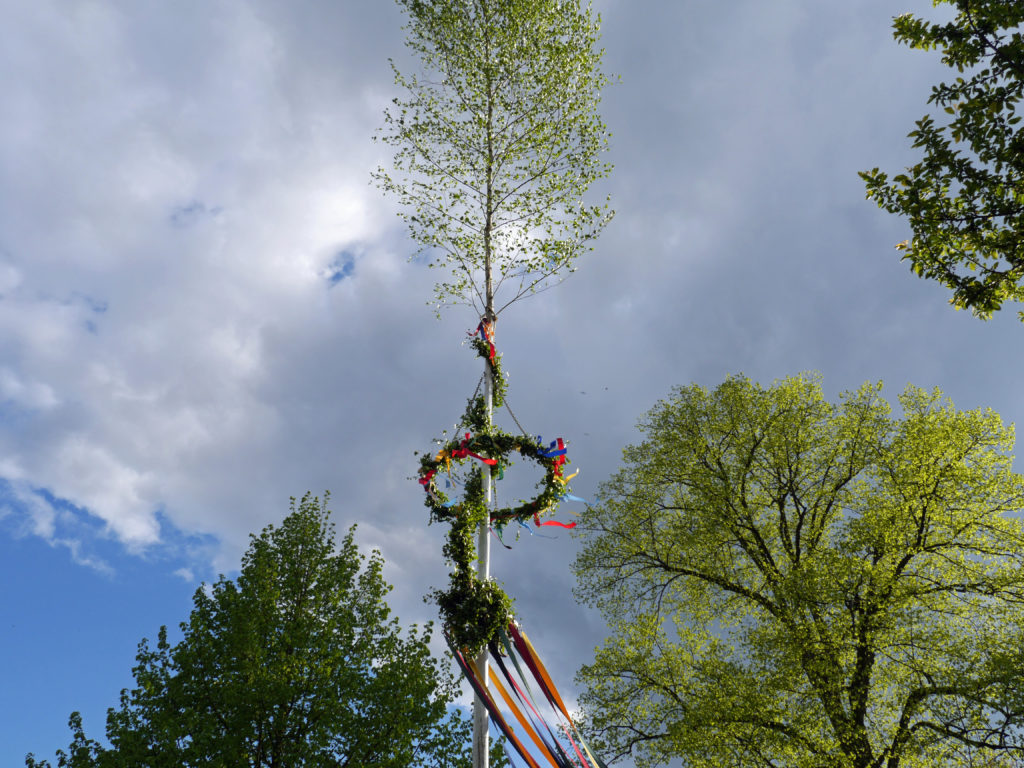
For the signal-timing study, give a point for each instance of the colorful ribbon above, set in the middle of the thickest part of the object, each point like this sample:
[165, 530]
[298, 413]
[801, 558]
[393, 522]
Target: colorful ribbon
[486, 331]
[463, 451]
[556, 740]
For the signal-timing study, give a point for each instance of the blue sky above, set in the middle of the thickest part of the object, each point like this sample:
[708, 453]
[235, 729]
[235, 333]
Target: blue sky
[206, 308]
[70, 634]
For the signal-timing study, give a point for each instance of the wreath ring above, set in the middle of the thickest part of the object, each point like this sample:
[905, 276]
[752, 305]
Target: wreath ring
[493, 451]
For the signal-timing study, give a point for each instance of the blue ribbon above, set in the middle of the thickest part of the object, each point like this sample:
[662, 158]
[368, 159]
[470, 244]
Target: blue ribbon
[552, 450]
[532, 533]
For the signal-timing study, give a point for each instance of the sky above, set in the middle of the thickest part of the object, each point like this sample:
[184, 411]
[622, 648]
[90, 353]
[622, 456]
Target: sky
[206, 308]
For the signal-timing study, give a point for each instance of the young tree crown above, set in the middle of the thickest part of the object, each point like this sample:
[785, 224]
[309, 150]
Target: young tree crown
[497, 141]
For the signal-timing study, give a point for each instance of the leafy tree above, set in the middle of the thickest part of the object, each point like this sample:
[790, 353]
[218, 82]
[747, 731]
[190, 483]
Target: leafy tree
[965, 198]
[497, 143]
[791, 582]
[297, 663]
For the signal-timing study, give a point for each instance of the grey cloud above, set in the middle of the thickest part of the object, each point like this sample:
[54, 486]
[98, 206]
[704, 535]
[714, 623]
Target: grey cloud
[227, 373]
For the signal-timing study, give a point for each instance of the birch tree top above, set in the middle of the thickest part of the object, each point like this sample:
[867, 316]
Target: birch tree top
[497, 142]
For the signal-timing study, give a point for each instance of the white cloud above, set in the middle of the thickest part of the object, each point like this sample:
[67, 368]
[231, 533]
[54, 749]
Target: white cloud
[75, 549]
[29, 394]
[121, 495]
[37, 517]
[177, 192]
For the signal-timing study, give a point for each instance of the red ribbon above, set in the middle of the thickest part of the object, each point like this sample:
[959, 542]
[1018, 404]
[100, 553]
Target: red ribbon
[485, 334]
[538, 523]
[457, 453]
[463, 452]
[570, 526]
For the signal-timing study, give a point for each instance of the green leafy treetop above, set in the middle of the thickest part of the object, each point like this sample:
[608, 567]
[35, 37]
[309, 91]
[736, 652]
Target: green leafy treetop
[298, 662]
[965, 198]
[792, 582]
[497, 142]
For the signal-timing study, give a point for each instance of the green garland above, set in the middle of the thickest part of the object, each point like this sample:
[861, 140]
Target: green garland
[497, 445]
[474, 610]
[498, 383]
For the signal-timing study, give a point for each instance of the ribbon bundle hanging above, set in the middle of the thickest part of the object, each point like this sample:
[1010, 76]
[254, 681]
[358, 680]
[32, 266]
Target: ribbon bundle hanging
[554, 735]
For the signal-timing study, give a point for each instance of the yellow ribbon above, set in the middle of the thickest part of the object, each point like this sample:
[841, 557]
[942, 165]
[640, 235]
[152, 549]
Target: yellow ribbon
[565, 480]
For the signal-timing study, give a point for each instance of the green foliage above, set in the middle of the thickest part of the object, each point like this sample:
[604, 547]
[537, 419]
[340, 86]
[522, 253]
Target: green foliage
[498, 445]
[498, 383]
[82, 753]
[297, 662]
[794, 582]
[497, 142]
[965, 198]
[475, 610]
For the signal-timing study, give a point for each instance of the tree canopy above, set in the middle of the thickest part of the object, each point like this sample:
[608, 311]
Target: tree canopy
[965, 197]
[497, 142]
[792, 582]
[297, 662]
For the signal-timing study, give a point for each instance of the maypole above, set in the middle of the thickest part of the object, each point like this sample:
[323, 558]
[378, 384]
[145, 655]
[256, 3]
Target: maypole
[496, 142]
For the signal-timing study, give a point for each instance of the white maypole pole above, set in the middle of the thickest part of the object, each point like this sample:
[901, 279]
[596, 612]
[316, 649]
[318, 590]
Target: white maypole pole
[483, 547]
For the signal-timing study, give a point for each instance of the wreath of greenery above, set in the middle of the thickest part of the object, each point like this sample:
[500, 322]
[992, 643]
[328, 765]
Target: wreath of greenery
[496, 446]
[474, 610]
